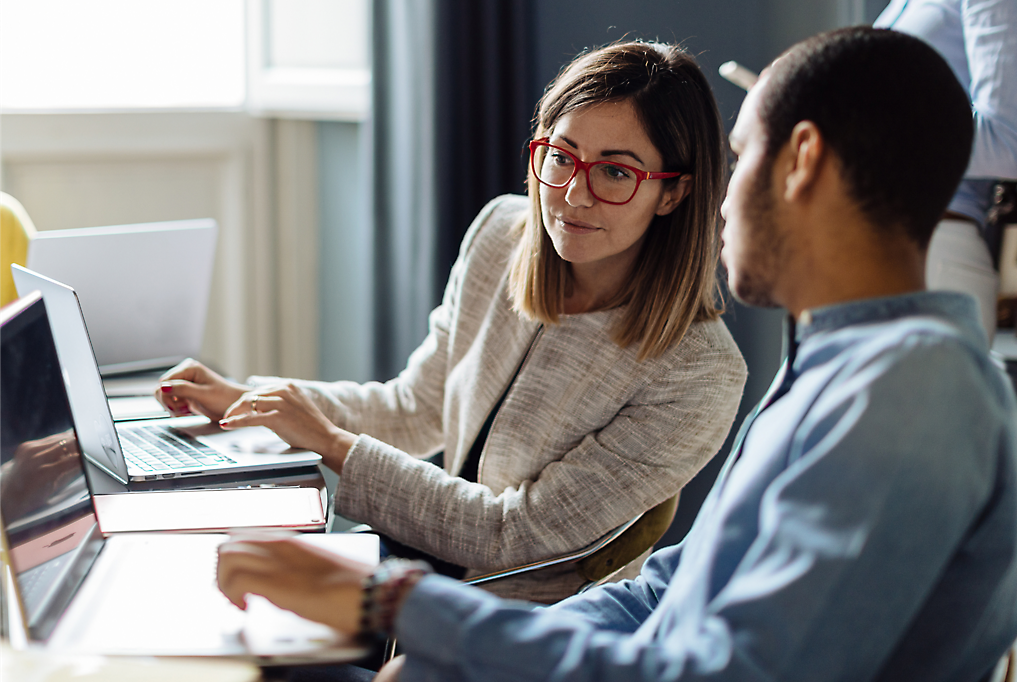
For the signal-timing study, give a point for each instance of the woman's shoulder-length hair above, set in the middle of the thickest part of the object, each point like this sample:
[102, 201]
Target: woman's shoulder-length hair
[673, 282]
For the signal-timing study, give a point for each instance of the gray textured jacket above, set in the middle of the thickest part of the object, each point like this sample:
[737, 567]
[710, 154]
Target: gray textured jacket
[586, 439]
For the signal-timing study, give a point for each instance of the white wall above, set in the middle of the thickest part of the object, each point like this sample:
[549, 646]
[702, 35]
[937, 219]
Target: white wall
[256, 177]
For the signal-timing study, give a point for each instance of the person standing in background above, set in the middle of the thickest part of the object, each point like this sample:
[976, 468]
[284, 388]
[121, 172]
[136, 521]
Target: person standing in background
[978, 39]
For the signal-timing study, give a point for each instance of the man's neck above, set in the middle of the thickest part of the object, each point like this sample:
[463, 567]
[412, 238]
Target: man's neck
[857, 264]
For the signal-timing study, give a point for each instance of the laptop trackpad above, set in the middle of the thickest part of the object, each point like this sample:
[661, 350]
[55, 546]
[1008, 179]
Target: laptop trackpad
[249, 440]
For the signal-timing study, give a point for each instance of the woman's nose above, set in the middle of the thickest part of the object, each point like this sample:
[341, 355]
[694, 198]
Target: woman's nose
[578, 191]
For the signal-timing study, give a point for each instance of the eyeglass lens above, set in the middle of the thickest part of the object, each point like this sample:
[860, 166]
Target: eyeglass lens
[608, 181]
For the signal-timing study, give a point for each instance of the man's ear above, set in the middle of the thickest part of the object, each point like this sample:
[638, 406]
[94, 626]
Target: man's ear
[807, 152]
[674, 195]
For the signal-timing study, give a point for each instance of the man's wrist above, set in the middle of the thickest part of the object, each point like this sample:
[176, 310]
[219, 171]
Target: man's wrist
[384, 592]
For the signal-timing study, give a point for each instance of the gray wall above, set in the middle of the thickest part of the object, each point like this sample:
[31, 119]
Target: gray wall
[715, 31]
[347, 294]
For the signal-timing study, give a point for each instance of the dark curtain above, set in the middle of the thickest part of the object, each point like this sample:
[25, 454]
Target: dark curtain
[453, 84]
[486, 65]
[403, 178]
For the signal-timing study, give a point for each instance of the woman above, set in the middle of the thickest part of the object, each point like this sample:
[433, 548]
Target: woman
[576, 373]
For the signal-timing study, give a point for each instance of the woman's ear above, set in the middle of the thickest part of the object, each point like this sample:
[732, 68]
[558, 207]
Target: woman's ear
[674, 195]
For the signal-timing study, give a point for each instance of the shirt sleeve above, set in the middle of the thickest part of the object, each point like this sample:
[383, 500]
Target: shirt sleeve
[624, 606]
[990, 42]
[437, 604]
[827, 588]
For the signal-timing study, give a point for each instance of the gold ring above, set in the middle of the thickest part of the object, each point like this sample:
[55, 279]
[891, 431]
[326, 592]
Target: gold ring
[254, 403]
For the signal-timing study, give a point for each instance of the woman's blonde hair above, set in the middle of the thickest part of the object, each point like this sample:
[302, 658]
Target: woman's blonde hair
[673, 281]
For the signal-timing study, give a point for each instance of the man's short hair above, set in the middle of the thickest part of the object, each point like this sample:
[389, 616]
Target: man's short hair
[892, 111]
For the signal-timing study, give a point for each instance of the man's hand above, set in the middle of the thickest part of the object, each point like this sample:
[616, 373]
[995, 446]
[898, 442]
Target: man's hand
[294, 576]
[190, 387]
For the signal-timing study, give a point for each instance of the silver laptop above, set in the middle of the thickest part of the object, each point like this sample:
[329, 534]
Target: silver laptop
[144, 288]
[148, 449]
[134, 594]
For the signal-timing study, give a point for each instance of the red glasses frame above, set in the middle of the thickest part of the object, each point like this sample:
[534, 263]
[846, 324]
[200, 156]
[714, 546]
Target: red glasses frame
[581, 165]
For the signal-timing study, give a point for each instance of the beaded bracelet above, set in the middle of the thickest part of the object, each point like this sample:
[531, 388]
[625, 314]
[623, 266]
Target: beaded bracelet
[383, 593]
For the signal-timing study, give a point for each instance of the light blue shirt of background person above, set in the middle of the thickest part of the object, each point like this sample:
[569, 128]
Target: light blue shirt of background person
[978, 38]
[866, 529]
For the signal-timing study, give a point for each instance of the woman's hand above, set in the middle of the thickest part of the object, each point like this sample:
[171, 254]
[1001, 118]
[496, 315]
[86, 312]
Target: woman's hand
[295, 418]
[190, 387]
[294, 576]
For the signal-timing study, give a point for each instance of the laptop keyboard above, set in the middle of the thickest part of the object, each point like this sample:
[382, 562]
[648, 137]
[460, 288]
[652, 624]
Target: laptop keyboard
[158, 449]
[37, 581]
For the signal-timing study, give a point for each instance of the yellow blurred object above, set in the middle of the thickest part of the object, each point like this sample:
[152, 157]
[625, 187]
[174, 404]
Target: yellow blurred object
[16, 231]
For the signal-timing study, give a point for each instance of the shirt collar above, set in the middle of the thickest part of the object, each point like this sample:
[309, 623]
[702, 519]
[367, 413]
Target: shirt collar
[958, 309]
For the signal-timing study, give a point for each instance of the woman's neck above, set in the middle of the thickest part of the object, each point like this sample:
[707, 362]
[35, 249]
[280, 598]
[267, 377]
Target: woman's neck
[594, 285]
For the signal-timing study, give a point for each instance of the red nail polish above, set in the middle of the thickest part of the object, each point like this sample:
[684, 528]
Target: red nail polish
[223, 422]
[166, 388]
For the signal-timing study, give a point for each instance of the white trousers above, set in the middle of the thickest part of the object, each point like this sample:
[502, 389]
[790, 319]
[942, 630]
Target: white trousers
[959, 260]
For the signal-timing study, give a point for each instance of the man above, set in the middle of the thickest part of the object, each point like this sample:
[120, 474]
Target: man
[865, 525]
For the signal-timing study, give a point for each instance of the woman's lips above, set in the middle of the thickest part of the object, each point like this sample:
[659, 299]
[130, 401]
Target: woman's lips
[576, 226]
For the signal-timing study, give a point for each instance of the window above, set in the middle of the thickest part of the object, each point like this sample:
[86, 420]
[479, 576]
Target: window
[121, 55]
[303, 58]
[309, 58]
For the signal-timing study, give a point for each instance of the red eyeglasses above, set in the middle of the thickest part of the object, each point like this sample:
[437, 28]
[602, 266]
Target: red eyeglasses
[610, 182]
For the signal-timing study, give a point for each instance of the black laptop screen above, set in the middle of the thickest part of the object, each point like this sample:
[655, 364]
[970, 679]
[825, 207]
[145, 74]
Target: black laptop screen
[48, 517]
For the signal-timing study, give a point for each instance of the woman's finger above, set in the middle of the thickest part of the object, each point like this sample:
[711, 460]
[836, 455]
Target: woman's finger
[179, 395]
[192, 387]
[188, 370]
[250, 405]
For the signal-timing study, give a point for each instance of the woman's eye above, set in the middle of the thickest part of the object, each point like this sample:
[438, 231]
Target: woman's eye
[613, 172]
[560, 158]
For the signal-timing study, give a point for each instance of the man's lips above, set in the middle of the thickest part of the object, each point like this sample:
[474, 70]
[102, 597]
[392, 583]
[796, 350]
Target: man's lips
[576, 226]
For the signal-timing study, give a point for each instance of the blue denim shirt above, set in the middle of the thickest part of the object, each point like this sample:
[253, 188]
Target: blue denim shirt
[978, 38]
[865, 529]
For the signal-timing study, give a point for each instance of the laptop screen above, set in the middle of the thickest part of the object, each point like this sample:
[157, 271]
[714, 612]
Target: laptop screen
[97, 436]
[138, 319]
[48, 518]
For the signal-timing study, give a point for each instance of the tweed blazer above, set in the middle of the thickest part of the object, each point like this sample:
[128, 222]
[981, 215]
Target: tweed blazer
[586, 439]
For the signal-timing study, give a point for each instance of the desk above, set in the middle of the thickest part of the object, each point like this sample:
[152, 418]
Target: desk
[45, 666]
